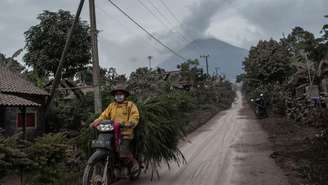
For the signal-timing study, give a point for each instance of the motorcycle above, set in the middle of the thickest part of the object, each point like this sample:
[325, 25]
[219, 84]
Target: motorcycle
[260, 109]
[105, 166]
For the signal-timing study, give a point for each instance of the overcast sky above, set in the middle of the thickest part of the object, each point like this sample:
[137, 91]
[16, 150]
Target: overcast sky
[123, 46]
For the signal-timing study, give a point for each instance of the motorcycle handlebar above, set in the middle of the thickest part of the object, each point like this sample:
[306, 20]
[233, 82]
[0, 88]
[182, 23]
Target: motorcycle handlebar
[112, 122]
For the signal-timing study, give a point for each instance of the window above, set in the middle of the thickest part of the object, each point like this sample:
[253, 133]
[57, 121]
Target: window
[30, 120]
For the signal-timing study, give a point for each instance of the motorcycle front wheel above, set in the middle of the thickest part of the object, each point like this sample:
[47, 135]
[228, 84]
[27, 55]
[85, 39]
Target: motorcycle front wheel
[94, 173]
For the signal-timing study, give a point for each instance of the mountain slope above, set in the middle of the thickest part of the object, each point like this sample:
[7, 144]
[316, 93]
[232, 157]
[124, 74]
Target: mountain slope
[223, 55]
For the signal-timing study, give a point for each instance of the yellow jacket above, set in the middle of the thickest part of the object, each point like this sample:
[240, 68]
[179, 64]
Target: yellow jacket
[126, 112]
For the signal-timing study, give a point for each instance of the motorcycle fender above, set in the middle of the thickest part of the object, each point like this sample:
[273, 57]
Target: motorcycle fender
[98, 155]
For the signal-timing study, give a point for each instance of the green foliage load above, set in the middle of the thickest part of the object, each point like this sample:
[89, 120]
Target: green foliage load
[161, 128]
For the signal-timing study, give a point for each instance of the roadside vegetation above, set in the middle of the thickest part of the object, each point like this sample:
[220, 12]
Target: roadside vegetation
[292, 74]
[171, 105]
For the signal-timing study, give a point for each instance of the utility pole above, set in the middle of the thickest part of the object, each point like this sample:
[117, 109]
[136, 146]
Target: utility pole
[217, 71]
[149, 58]
[95, 57]
[206, 59]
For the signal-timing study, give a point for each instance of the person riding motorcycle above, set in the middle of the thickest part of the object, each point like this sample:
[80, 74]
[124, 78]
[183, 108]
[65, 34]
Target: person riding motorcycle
[260, 106]
[125, 113]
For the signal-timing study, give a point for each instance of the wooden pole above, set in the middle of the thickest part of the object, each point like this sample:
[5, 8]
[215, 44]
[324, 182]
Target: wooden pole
[95, 57]
[23, 112]
[63, 55]
[206, 60]
[149, 58]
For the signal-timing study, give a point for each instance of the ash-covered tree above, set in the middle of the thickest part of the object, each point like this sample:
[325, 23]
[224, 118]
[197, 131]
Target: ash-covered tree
[324, 31]
[301, 42]
[268, 62]
[11, 62]
[45, 42]
[240, 77]
[322, 49]
[300, 39]
[147, 80]
[190, 71]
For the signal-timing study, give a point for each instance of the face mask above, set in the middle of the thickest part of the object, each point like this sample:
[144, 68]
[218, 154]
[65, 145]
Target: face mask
[119, 98]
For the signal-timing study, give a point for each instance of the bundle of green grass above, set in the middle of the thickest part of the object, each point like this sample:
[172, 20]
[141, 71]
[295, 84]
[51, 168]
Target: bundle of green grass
[161, 127]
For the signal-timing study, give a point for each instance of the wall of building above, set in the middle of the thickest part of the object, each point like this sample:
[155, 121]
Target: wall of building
[40, 99]
[10, 125]
[10, 120]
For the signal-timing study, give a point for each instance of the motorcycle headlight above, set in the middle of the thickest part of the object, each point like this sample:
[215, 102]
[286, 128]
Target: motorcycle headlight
[105, 128]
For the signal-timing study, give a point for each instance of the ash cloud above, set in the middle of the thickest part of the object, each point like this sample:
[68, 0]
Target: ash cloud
[199, 20]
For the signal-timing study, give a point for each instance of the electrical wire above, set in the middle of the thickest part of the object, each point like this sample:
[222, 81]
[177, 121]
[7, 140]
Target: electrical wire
[179, 22]
[128, 29]
[158, 18]
[180, 34]
[146, 31]
[175, 18]
[152, 13]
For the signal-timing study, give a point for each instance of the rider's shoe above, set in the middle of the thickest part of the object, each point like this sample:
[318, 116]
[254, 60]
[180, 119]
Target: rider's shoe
[134, 169]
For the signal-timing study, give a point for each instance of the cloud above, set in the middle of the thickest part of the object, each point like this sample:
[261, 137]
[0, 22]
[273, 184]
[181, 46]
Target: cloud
[276, 17]
[235, 30]
[197, 23]
[243, 23]
[128, 55]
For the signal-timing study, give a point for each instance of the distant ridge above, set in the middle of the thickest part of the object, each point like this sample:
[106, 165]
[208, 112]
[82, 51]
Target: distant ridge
[226, 56]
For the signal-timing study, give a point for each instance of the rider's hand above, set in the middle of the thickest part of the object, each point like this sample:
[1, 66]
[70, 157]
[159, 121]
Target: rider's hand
[94, 124]
[129, 125]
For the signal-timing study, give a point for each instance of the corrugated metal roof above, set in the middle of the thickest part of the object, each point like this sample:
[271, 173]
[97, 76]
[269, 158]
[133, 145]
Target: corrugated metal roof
[15, 101]
[11, 82]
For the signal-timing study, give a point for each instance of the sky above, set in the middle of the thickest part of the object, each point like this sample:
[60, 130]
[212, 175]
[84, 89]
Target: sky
[175, 22]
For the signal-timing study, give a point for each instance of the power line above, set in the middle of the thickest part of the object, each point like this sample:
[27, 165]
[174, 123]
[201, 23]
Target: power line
[179, 22]
[152, 13]
[150, 40]
[174, 17]
[146, 31]
[170, 12]
[156, 16]
[167, 20]
[159, 12]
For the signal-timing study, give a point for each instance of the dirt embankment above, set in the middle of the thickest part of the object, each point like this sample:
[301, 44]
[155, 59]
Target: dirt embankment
[294, 152]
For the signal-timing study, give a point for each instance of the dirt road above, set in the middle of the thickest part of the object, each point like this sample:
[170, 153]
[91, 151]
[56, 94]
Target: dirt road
[231, 149]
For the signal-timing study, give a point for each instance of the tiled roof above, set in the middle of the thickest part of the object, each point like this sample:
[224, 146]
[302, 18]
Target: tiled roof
[11, 82]
[15, 101]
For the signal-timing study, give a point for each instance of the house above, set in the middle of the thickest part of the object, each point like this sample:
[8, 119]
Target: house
[68, 89]
[177, 80]
[22, 104]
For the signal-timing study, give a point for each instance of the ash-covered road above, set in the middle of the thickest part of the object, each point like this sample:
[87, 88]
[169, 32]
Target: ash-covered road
[231, 149]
